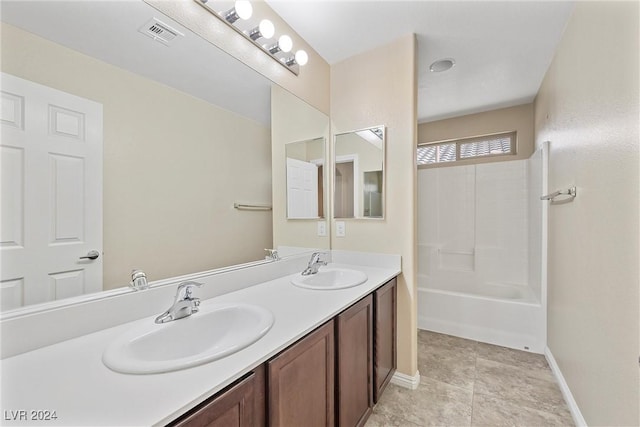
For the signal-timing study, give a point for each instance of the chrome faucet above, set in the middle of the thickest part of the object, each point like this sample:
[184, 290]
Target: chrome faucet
[138, 280]
[314, 264]
[272, 254]
[185, 304]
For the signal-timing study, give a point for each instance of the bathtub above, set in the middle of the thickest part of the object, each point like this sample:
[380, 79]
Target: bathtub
[497, 313]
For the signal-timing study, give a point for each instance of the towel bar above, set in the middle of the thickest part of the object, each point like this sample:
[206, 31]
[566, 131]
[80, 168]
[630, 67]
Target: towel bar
[571, 192]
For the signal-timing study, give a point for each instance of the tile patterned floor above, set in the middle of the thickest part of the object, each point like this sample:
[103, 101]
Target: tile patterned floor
[467, 383]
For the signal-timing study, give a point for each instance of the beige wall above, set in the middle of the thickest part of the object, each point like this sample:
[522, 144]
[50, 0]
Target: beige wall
[293, 120]
[171, 173]
[588, 108]
[311, 85]
[519, 118]
[355, 105]
[306, 150]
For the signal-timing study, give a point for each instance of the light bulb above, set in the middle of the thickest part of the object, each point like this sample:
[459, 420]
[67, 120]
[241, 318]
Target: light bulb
[243, 9]
[301, 57]
[285, 43]
[266, 29]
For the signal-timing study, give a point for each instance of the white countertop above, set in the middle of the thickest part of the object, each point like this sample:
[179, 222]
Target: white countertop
[70, 378]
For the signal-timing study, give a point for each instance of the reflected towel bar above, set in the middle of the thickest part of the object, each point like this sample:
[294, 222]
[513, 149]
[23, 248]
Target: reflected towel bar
[571, 192]
[251, 207]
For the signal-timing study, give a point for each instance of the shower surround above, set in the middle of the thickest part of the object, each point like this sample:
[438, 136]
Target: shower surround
[480, 251]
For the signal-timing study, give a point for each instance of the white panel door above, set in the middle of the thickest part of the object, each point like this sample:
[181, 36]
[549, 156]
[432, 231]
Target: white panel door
[302, 189]
[51, 191]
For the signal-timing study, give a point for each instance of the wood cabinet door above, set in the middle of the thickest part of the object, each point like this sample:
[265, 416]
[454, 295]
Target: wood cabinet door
[355, 363]
[384, 342]
[241, 405]
[301, 382]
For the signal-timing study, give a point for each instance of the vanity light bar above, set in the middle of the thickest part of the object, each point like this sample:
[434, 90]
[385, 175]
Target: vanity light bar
[261, 35]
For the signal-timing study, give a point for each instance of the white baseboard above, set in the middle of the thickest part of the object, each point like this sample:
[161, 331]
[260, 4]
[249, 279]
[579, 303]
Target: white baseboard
[406, 381]
[578, 419]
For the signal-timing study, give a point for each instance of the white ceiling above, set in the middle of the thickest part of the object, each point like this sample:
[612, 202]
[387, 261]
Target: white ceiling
[502, 49]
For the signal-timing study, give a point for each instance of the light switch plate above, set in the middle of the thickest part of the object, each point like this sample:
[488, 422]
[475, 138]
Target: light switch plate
[340, 229]
[322, 228]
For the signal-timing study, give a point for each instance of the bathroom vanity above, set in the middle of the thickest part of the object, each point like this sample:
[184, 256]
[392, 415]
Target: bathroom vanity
[324, 361]
[298, 386]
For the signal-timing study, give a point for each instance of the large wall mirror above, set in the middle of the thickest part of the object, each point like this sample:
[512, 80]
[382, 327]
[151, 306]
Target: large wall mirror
[305, 179]
[359, 173]
[186, 135]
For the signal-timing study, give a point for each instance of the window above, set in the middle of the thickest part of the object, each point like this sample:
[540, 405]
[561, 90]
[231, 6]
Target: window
[468, 148]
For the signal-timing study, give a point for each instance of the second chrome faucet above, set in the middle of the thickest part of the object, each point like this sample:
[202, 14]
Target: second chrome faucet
[314, 263]
[185, 304]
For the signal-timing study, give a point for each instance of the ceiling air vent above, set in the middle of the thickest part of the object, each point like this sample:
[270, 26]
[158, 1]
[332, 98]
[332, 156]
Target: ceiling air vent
[159, 31]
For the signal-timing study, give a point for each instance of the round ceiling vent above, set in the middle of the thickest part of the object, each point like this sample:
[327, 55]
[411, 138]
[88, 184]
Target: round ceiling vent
[442, 65]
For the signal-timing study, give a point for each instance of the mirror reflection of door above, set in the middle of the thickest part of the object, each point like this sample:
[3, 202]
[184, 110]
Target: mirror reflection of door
[344, 191]
[305, 179]
[373, 194]
[302, 189]
[320, 191]
[51, 204]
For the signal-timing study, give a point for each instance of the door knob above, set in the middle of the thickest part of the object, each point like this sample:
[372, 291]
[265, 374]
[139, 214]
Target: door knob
[91, 255]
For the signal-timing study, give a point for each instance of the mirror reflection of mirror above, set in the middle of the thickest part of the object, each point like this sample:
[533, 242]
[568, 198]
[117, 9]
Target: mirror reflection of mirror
[305, 179]
[359, 174]
[186, 134]
[299, 132]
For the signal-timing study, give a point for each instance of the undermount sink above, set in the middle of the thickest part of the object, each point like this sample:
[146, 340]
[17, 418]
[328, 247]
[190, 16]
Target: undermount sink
[216, 331]
[329, 278]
